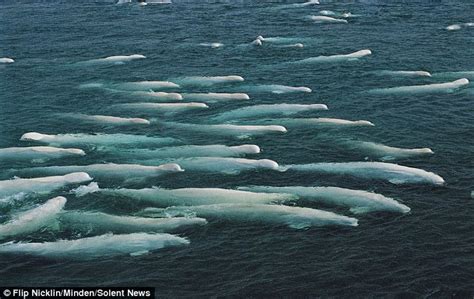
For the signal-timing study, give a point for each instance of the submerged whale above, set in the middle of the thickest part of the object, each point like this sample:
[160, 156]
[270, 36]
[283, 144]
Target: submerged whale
[277, 89]
[294, 217]
[219, 164]
[240, 131]
[403, 73]
[147, 85]
[33, 220]
[99, 223]
[37, 153]
[335, 58]
[208, 80]
[42, 184]
[107, 120]
[215, 150]
[319, 121]
[358, 201]
[119, 59]
[197, 196]
[393, 173]
[163, 107]
[326, 19]
[384, 152]
[271, 109]
[428, 88]
[109, 170]
[96, 247]
[212, 97]
[97, 139]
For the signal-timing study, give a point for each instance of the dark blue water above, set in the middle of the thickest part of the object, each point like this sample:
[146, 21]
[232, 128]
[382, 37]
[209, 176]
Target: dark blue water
[428, 252]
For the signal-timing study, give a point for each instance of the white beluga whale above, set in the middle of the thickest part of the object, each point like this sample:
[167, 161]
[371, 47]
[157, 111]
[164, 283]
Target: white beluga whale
[85, 189]
[97, 139]
[393, 173]
[299, 5]
[97, 247]
[6, 60]
[108, 171]
[454, 75]
[326, 19]
[212, 45]
[317, 122]
[106, 119]
[335, 58]
[37, 153]
[147, 85]
[224, 165]
[294, 217]
[358, 201]
[208, 80]
[33, 220]
[270, 109]
[159, 197]
[213, 97]
[385, 152]
[119, 59]
[403, 73]
[99, 223]
[277, 89]
[159, 95]
[456, 27]
[240, 131]
[213, 150]
[41, 185]
[428, 88]
[163, 107]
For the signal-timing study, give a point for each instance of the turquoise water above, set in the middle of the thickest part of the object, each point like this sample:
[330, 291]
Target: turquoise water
[425, 252]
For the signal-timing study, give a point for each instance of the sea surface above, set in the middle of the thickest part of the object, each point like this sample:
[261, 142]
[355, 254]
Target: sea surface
[428, 252]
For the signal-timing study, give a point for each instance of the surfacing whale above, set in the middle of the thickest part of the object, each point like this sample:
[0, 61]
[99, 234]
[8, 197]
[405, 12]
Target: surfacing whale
[33, 220]
[428, 88]
[41, 185]
[294, 217]
[208, 80]
[358, 201]
[271, 109]
[107, 120]
[6, 60]
[159, 197]
[240, 131]
[385, 152]
[275, 88]
[97, 247]
[334, 58]
[317, 122]
[119, 59]
[326, 19]
[393, 173]
[213, 97]
[37, 153]
[163, 107]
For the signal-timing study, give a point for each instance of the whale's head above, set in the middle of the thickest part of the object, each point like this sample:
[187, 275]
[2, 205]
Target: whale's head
[58, 201]
[257, 42]
[140, 121]
[32, 136]
[364, 123]
[249, 148]
[277, 128]
[171, 167]
[269, 164]
[77, 177]
[137, 56]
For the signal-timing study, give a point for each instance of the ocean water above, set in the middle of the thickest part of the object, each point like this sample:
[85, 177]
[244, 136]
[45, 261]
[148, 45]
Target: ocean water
[425, 253]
